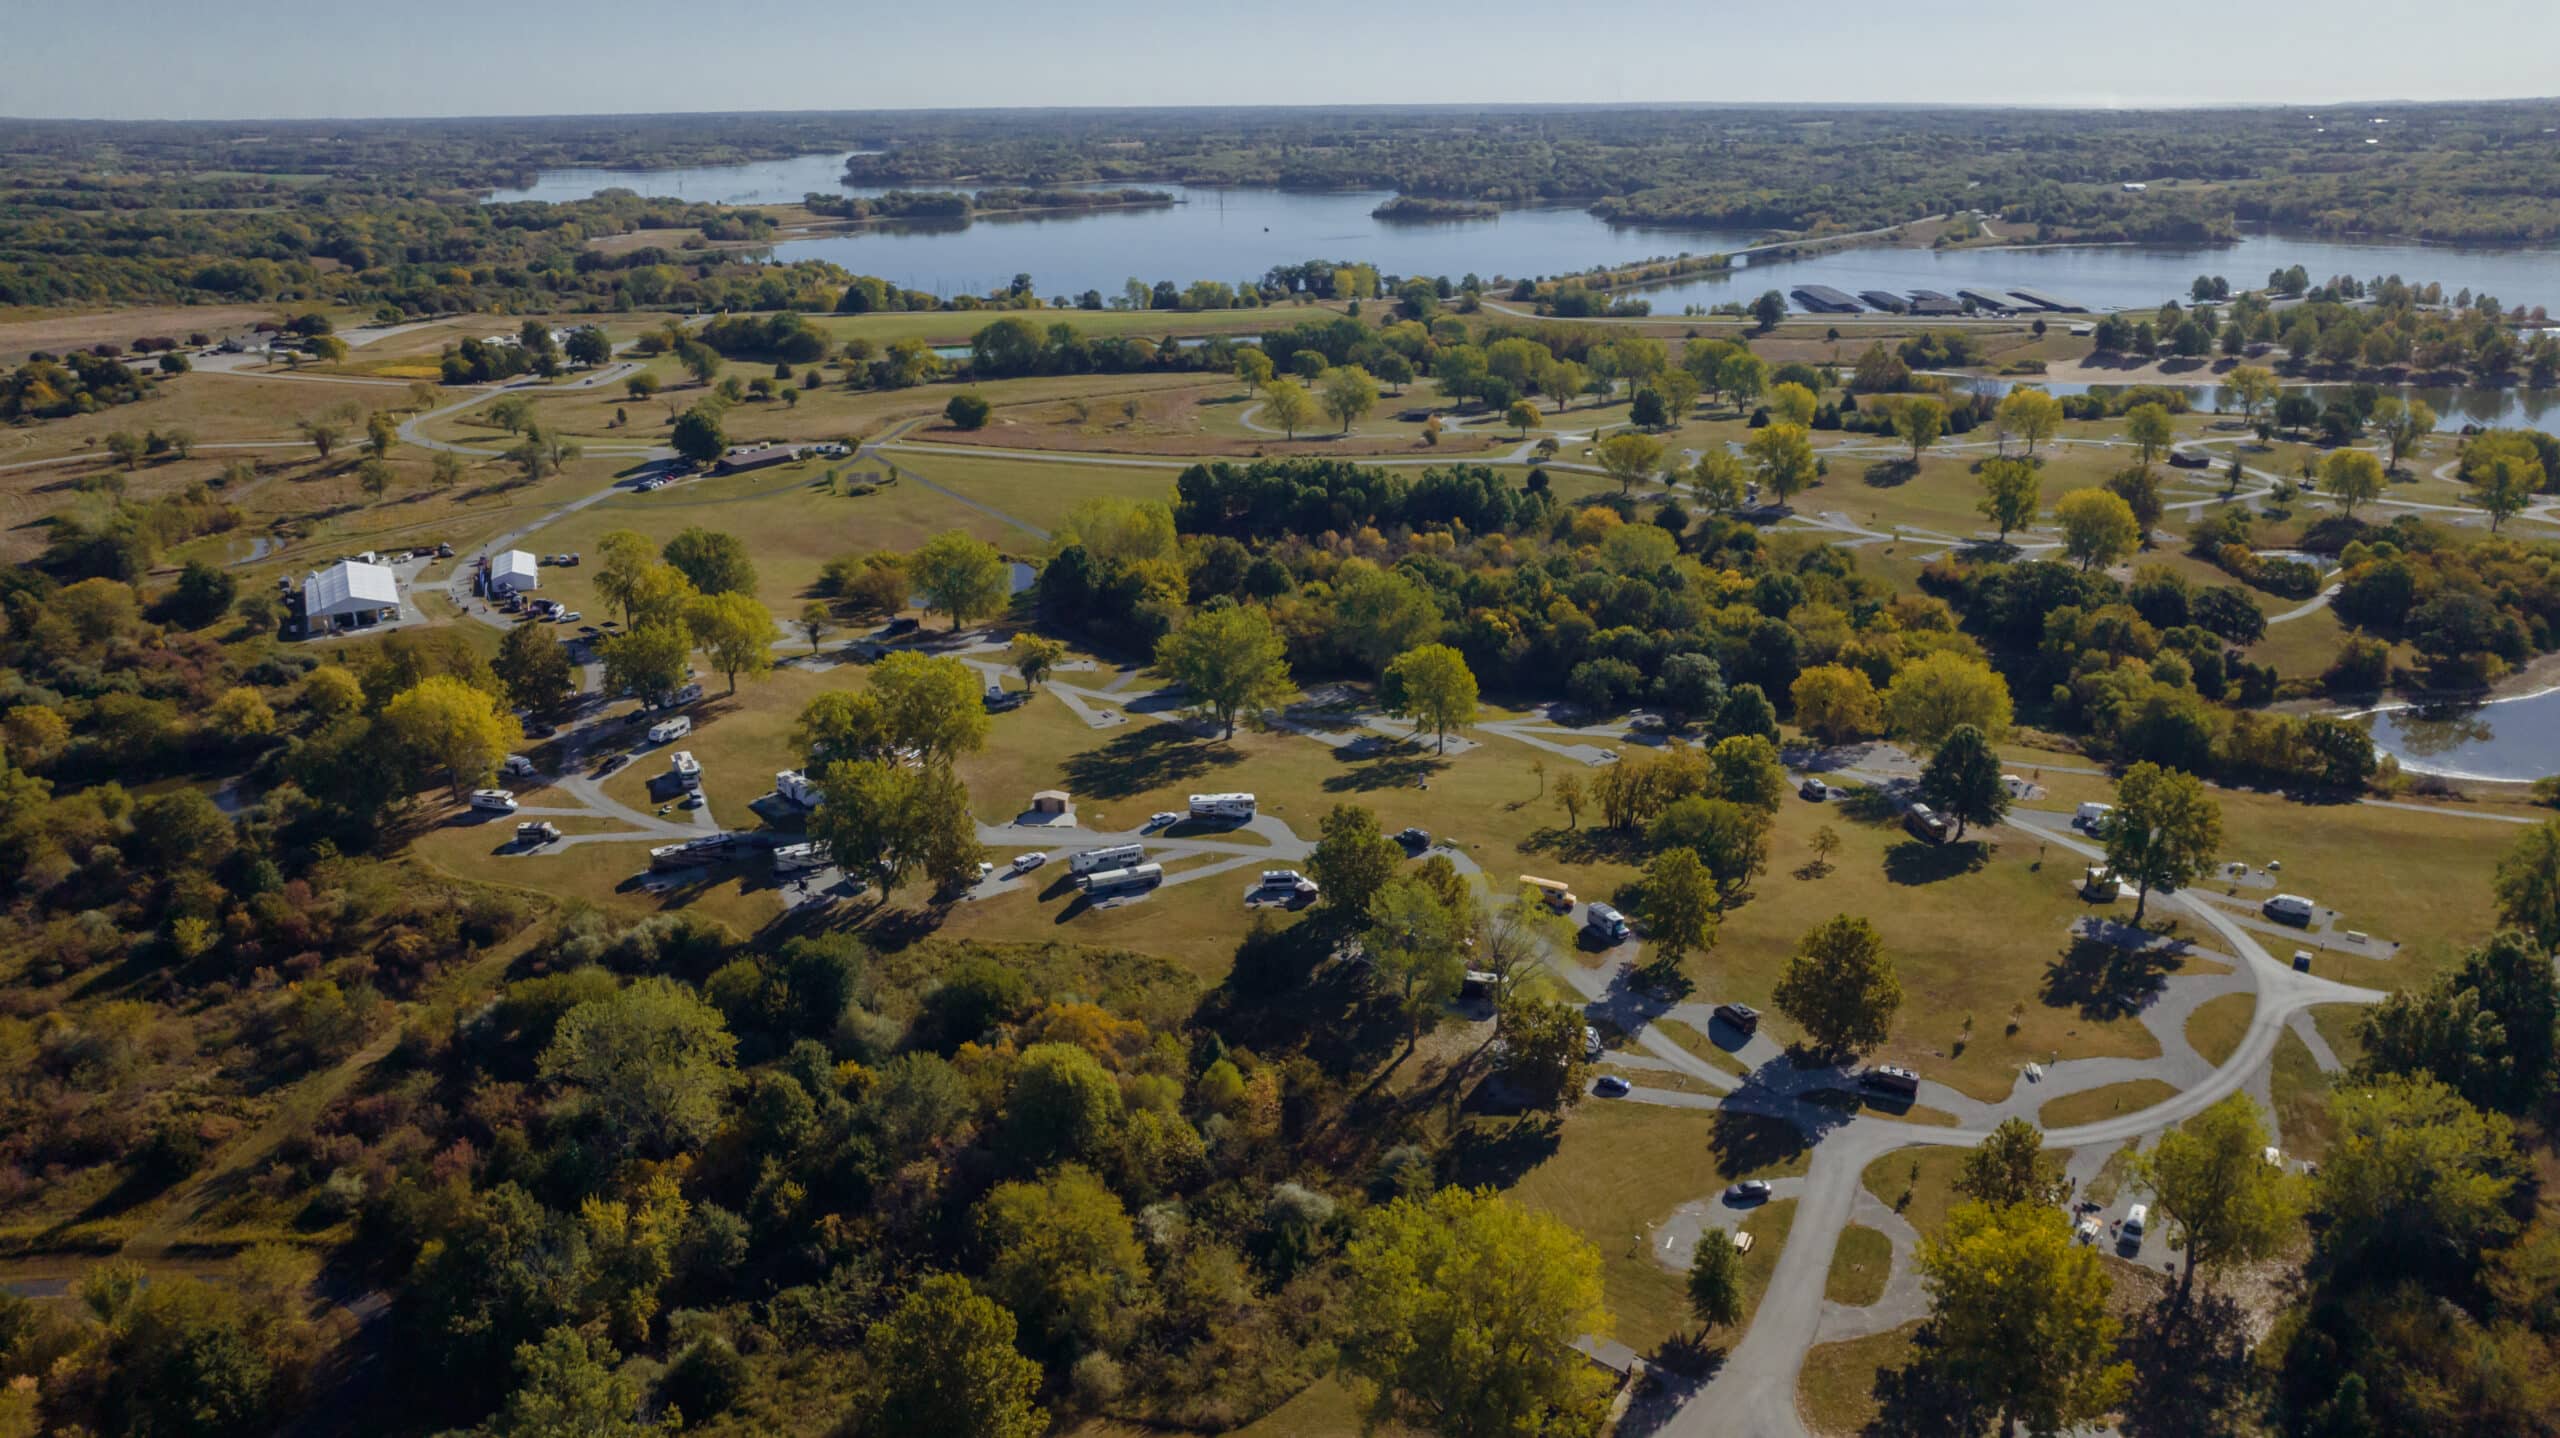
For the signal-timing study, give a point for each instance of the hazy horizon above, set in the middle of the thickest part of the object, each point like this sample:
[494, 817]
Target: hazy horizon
[303, 60]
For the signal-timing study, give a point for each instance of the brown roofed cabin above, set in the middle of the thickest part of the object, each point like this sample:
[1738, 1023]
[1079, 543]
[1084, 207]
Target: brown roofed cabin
[758, 458]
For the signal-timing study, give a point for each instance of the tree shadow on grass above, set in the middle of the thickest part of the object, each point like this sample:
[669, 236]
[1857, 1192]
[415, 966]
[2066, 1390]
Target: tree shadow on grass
[1923, 1399]
[1142, 759]
[2107, 981]
[1744, 1142]
[1916, 863]
[1590, 845]
[1501, 1154]
[1392, 771]
[1868, 804]
[2193, 1371]
[1889, 473]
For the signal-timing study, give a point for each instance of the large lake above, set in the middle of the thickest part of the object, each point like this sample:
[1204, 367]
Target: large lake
[2512, 739]
[1230, 234]
[2455, 408]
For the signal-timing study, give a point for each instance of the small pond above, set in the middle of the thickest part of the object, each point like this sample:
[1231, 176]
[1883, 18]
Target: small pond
[2511, 739]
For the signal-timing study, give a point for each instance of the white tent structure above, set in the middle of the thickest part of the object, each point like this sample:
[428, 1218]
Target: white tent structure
[514, 569]
[348, 594]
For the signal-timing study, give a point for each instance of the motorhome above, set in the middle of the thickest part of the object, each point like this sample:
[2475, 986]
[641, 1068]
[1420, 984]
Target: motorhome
[1888, 1079]
[708, 849]
[1095, 861]
[1233, 807]
[2090, 816]
[1136, 879]
[688, 770]
[494, 800]
[799, 858]
[797, 787]
[668, 730]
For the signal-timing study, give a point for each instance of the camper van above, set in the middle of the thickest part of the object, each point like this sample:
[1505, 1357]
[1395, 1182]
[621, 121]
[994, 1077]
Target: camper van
[1136, 879]
[1095, 861]
[517, 767]
[688, 770]
[495, 800]
[1606, 924]
[668, 730]
[2090, 816]
[2291, 909]
[1229, 807]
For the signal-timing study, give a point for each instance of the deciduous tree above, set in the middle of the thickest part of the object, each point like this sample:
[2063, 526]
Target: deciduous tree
[1840, 987]
[735, 631]
[2098, 528]
[1782, 459]
[648, 1067]
[1836, 703]
[1229, 659]
[715, 562]
[1629, 457]
[2351, 477]
[2011, 1167]
[2031, 414]
[1962, 779]
[1352, 860]
[1349, 393]
[1933, 695]
[2019, 1317]
[2165, 832]
[1434, 686]
[2148, 427]
[535, 668]
[889, 822]
[959, 575]
[1715, 1280]
[1289, 405]
[2224, 1202]
[944, 1361]
[2010, 491]
[445, 727]
[1680, 905]
[1462, 1308]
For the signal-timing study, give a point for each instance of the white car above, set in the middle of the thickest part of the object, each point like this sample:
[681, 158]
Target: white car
[1025, 863]
[2086, 1234]
[1162, 818]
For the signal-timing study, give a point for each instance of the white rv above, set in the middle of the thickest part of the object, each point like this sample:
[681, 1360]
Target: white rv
[1226, 807]
[494, 800]
[710, 848]
[797, 787]
[799, 858]
[1095, 861]
[669, 730]
[688, 769]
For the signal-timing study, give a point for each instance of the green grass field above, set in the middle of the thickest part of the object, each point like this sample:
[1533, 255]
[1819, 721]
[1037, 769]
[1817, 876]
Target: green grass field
[2218, 1025]
[1835, 1391]
[1615, 1170]
[2091, 1105]
[1860, 1266]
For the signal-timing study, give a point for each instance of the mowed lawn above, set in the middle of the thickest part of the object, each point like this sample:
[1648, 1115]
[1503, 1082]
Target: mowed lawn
[1612, 1171]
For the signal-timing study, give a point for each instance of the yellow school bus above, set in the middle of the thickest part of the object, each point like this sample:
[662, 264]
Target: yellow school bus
[1558, 897]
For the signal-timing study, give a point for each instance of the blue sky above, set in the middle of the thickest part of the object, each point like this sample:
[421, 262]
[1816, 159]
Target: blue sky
[188, 59]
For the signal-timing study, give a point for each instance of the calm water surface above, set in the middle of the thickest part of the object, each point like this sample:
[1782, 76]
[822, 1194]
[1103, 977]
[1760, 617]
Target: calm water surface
[2506, 739]
[2487, 408]
[1231, 234]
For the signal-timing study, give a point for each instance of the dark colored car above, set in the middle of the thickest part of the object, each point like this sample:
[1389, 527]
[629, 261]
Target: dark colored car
[899, 626]
[1750, 1190]
[1610, 1086]
[1741, 1016]
[1416, 839]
